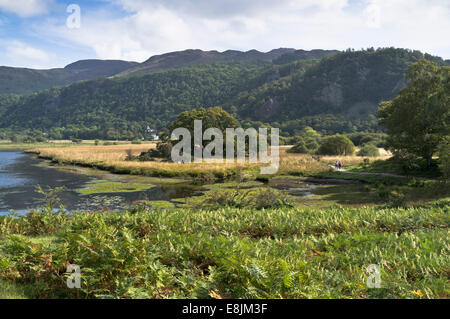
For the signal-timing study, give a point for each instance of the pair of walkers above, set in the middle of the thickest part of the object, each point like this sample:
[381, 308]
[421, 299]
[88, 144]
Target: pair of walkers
[338, 164]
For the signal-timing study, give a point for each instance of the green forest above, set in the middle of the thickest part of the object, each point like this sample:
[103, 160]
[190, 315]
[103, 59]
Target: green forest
[338, 93]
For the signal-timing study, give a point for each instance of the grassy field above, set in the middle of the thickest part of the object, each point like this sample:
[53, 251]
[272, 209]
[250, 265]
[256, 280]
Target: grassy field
[112, 158]
[239, 239]
[8, 145]
[229, 253]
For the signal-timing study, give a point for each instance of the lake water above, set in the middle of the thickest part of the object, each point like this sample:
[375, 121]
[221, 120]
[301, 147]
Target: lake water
[20, 173]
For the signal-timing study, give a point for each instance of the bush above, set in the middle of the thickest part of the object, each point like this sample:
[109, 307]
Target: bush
[369, 150]
[359, 139]
[337, 145]
[304, 146]
[163, 150]
[29, 139]
[299, 148]
[17, 139]
[444, 157]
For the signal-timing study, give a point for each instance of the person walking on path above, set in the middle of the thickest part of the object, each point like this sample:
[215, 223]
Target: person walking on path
[340, 164]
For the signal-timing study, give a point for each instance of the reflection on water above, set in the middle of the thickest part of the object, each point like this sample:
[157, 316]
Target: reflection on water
[7, 179]
[20, 173]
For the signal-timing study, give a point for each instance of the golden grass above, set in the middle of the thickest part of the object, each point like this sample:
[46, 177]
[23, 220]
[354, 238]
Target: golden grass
[113, 156]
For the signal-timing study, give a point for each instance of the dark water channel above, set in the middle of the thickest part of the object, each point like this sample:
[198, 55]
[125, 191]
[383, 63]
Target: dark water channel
[20, 173]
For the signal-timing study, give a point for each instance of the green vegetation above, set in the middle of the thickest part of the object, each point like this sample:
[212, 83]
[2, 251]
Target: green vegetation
[336, 94]
[23, 81]
[361, 138]
[34, 144]
[444, 156]
[307, 142]
[234, 197]
[160, 204]
[104, 186]
[121, 108]
[418, 119]
[277, 237]
[369, 150]
[396, 166]
[336, 145]
[214, 117]
[231, 253]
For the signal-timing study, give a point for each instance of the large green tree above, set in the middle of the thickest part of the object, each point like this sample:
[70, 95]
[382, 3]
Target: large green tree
[213, 117]
[419, 117]
[337, 145]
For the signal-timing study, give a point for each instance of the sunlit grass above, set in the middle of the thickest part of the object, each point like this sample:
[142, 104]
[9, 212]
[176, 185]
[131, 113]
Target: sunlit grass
[113, 158]
[232, 253]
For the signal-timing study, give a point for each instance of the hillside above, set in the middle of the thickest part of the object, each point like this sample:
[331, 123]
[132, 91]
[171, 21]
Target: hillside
[341, 93]
[181, 59]
[122, 107]
[6, 100]
[21, 80]
[336, 94]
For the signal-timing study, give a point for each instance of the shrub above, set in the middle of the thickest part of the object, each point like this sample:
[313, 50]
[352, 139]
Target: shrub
[17, 139]
[163, 150]
[444, 157]
[299, 148]
[129, 156]
[304, 146]
[369, 150]
[337, 145]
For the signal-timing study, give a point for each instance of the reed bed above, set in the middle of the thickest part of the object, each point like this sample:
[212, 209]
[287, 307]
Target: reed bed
[113, 158]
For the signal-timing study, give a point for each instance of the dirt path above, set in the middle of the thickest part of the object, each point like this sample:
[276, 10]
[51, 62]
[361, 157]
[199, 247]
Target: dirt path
[378, 174]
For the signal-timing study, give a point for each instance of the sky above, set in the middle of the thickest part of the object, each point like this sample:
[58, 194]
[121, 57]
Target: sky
[53, 33]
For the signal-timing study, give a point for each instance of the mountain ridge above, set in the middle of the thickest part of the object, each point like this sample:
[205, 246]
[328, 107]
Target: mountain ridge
[190, 57]
[24, 80]
[336, 94]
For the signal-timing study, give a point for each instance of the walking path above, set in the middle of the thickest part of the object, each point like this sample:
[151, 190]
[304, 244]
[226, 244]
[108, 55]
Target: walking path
[378, 174]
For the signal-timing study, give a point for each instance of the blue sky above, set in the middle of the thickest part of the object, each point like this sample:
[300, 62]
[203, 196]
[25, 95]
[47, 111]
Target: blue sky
[34, 33]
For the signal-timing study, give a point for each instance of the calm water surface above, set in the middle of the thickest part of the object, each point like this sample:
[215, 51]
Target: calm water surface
[20, 173]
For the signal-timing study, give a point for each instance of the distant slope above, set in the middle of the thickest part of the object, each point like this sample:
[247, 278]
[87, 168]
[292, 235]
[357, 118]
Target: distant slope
[22, 80]
[349, 84]
[6, 100]
[303, 55]
[187, 58]
[338, 93]
[117, 107]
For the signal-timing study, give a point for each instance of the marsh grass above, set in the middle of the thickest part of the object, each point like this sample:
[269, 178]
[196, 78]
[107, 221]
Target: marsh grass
[114, 158]
[104, 186]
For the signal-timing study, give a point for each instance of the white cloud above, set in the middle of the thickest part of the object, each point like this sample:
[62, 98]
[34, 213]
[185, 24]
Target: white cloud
[157, 26]
[24, 8]
[134, 37]
[22, 54]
